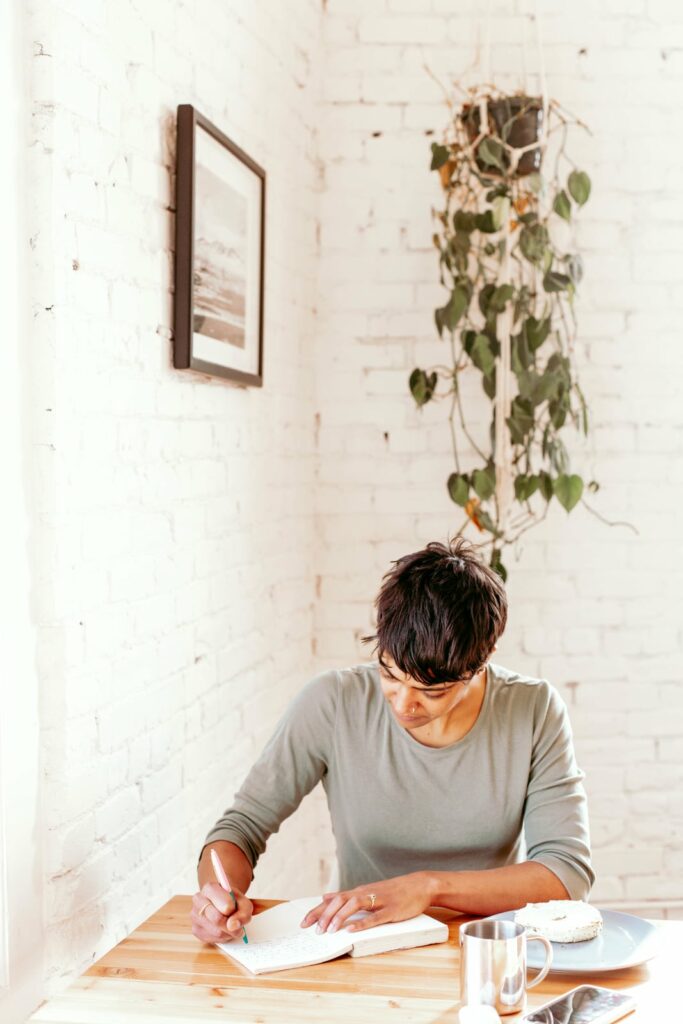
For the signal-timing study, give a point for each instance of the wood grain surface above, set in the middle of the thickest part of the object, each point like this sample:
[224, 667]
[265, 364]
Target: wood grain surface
[161, 972]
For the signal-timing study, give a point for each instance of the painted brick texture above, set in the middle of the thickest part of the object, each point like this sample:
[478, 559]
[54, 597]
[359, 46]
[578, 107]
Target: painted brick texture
[200, 549]
[173, 525]
[594, 609]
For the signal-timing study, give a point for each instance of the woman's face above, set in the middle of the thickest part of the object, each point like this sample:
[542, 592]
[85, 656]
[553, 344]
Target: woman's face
[414, 704]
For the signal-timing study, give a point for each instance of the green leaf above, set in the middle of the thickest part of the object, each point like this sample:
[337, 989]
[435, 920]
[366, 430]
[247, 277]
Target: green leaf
[500, 210]
[553, 281]
[558, 412]
[484, 482]
[521, 352]
[485, 222]
[486, 521]
[455, 307]
[568, 490]
[501, 189]
[536, 331]
[464, 221]
[438, 319]
[579, 185]
[459, 488]
[521, 420]
[440, 155]
[488, 382]
[422, 386]
[545, 483]
[467, 338]
[481, 354]
[461, 242]
[535, 181]
[575, 267]
[525, 486]
[562, 206]
[497, 565]
[502, 295]
[491, 152]
[485, 297]
[546, 386]
[533, 241]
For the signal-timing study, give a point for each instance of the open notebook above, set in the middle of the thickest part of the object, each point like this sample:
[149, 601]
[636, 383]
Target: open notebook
[277, 943]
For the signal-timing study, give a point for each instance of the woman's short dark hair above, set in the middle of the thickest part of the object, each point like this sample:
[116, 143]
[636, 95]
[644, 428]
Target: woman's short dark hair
[440, 612]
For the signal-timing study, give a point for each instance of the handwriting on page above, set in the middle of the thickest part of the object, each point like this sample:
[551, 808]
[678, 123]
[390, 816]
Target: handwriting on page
[290, 950]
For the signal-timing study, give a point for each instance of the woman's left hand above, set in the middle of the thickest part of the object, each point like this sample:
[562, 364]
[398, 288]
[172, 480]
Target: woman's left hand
[395, 900]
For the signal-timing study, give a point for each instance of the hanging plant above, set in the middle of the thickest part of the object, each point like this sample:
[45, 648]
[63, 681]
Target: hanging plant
[508, 261]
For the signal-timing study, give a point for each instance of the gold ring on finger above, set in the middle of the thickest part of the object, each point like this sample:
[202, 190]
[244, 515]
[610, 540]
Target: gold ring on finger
[207, 904]
[373, 899]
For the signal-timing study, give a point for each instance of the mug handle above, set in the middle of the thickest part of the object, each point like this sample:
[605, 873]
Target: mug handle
[548, 958]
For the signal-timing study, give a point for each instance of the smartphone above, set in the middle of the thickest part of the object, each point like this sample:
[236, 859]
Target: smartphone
[587, 1004]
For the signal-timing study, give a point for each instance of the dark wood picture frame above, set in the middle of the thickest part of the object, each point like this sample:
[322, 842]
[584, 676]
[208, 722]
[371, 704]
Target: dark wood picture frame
[185, 356]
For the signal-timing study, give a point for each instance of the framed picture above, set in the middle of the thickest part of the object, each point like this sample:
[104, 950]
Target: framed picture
[220, 238]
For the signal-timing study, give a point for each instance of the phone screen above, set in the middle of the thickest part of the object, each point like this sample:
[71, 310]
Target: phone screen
[581, 1006]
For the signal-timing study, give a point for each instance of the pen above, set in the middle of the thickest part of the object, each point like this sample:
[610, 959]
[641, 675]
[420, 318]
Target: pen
[225, 882]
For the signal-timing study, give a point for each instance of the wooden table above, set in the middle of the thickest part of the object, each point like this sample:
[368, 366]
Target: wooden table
[162, 973]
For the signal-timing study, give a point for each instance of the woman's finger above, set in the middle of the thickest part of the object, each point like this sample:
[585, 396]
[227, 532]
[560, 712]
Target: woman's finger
[351, 907]
[222, 900]
[204, 909]
[205, 930]
[373, 919]
[331, 908]
[312, 915]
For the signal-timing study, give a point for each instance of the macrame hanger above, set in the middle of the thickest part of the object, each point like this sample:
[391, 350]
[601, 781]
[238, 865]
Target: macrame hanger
[505, 493]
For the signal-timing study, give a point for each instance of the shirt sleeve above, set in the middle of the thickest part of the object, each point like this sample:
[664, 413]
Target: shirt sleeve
[294, 760]
[555, 810]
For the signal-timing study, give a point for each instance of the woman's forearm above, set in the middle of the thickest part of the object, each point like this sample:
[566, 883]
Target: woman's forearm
[236, 864]
[496, 889]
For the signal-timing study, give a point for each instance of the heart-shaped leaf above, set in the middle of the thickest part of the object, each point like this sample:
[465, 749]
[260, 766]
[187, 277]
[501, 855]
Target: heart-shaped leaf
[491, 152]
[455, 307]
[536, 331]
[500, 210]
[440, 155]
[484, 482]
[525, 486]
[459, 488]
[579, 185]
[481, 354]
[533, 241]
[562, 206]
[422, 386]
[568, 490]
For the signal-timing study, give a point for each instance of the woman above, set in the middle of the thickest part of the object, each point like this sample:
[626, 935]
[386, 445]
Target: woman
[450, 780]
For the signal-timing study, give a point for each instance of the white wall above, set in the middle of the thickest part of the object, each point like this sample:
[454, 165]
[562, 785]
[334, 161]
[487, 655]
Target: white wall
[594, 609]
[21, 862]
[183, 530]
[173, 515]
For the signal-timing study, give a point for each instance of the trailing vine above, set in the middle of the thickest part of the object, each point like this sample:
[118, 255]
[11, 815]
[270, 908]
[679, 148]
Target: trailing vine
[508, 261]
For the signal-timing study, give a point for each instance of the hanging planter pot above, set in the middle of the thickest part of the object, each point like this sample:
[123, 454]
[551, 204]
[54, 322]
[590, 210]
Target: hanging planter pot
[515, 121]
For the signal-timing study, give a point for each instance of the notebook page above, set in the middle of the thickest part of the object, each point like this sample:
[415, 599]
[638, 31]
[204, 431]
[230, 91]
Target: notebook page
[284, 919]
[279, 954]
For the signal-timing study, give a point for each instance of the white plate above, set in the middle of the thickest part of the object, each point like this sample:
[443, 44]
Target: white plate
[625, 941]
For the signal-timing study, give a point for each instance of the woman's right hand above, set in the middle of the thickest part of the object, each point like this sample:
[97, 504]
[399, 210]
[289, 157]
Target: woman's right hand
[214, 915]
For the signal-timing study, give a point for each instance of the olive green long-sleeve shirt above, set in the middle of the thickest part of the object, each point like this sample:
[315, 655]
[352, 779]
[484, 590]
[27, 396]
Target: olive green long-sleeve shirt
[509, 790]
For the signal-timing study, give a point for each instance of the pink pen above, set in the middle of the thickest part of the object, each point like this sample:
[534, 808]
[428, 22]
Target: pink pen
[225, 882]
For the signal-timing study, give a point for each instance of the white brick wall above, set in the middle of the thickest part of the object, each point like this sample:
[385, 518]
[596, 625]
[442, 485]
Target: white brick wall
[594, 609]
[184, 530]
[173, 514]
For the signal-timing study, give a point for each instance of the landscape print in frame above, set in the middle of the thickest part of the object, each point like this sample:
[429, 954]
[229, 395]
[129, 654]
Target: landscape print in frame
[220, 233]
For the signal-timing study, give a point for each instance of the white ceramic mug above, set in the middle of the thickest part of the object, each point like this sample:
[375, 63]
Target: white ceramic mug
[493, 964]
